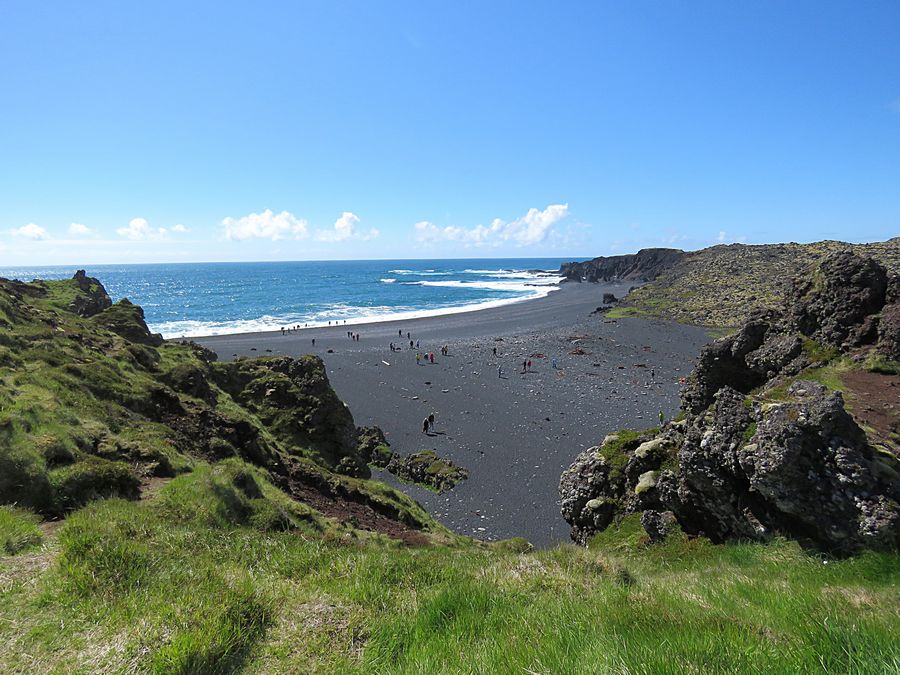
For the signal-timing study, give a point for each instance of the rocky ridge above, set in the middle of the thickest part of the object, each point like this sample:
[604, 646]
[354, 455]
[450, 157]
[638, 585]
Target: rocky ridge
[720, 285]
[765, 447]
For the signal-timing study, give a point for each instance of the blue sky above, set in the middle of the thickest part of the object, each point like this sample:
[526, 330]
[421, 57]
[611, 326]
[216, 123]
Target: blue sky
[144, 132]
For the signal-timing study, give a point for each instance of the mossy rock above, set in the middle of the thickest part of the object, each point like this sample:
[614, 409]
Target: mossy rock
[92, 478]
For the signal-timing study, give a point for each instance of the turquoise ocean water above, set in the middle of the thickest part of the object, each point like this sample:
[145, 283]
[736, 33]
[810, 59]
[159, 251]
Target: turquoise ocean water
[219, 298]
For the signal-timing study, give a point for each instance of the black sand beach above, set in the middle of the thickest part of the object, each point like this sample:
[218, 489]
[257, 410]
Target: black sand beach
[515, 433]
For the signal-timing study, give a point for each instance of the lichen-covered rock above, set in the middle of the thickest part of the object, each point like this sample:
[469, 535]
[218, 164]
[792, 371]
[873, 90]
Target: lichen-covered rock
[816, 475]
[709, 484]
[723, 363]
[800, 467]
[587, 496]
[832, 304]
[658, 524]
[601, 483]
[836, 306]
[373, 447]
[428, 469]
[889, 331]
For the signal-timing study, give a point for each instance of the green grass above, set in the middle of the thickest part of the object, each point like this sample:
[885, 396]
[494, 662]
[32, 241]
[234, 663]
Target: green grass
[18, 530]
[134, 588]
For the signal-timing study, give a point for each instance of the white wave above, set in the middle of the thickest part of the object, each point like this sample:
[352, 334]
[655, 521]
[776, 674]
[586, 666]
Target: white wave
[511, 286]
[516, 274]
[388, 281]
[421, 273]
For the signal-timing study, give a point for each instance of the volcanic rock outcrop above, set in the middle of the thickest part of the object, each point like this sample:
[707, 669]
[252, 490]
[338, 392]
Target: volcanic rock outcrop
[763, 449]
[645, 265]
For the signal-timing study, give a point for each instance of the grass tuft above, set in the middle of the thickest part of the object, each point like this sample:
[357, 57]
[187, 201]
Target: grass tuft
[18, 530]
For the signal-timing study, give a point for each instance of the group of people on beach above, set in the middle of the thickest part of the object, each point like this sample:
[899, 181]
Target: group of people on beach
[353, 336]
[291, 329]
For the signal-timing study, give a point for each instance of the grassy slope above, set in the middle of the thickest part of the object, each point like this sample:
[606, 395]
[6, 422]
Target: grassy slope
[719, 286]
[86, 413]
[216, 569]
[140, 586]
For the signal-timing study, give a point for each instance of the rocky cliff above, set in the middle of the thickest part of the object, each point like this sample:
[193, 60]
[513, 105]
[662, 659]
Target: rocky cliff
[94, 405]
[645, 265]
[780, 433]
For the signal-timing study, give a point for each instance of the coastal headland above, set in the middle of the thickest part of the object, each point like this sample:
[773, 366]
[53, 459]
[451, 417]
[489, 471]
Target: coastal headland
[514, 431]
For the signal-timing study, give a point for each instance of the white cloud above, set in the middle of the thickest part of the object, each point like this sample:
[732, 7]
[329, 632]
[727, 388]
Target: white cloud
[725, 237]
[265, 225]
[32, 231]
[178, 227]
[79, 229]
[532, 228]
[345, 228]
[139, 230]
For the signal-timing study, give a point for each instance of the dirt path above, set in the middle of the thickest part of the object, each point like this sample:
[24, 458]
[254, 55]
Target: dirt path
[875, 403]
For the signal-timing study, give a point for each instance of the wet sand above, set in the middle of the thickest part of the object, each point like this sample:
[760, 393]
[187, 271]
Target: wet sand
[515, 433]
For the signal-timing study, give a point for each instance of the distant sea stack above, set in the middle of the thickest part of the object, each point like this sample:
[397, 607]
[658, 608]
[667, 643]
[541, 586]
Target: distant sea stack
[645, 265]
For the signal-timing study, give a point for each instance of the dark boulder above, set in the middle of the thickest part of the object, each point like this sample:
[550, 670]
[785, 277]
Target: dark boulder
[609, 299]
[831, 304]
[723, 363]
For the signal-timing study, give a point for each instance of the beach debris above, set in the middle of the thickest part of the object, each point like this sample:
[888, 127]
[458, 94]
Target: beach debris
[640, 365]
[578, 351]
[445, 391]
[331, 351]
[385, 362]
[252, 349]
[427, 382]
[538, 355]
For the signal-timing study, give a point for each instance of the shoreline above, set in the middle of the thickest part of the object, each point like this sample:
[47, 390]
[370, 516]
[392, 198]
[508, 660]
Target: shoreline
[404, 316]
[516, 432]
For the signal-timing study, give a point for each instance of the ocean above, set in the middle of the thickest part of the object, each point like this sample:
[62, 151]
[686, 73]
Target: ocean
[190, 300]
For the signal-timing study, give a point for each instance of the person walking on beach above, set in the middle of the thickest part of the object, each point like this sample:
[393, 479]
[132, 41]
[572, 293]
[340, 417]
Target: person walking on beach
[662, 417]
[418, 358]
[431, 422]
[529, 364]
[314, 342]
[417, 344]
[425, 426]
[553, 361]
[494, 349]
[431, 357]
[399, 333]
[524, 366]
[499, 371]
